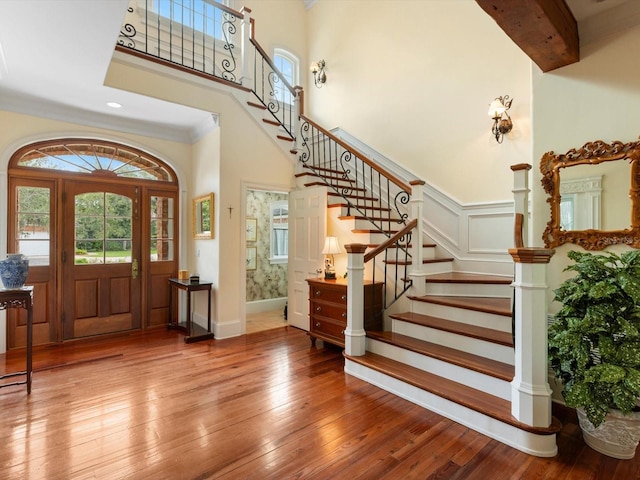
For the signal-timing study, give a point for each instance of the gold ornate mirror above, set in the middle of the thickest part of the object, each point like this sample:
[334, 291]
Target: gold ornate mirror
[203, 217]
[593, 195]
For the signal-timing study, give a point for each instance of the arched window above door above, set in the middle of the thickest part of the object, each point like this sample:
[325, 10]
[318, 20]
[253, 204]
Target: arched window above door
[93, 157]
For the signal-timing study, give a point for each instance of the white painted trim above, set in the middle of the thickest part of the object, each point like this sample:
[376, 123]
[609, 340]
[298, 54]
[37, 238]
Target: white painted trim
[25, 104]
[533, 444]
[242, 265]
[267, 305]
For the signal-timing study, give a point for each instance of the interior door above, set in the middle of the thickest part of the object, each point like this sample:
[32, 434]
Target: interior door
[307, 227]
[101, 254]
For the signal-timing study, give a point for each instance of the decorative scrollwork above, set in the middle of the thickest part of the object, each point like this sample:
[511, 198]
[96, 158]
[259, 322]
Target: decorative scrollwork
[305, 156]
[126, 35]
[228, 64]
[401, 198]
[591, 153]
[274, 104]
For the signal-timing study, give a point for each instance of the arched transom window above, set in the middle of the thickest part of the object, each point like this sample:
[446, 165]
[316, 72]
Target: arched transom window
[93, 157]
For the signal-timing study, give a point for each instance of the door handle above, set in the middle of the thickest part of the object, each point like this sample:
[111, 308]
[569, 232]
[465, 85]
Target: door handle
[134, 269]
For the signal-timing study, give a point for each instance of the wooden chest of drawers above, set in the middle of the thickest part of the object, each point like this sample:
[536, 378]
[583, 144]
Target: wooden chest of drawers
[328, 309]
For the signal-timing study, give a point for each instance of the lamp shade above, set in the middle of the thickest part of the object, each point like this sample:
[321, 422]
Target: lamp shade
[331, 246]
[497, 108]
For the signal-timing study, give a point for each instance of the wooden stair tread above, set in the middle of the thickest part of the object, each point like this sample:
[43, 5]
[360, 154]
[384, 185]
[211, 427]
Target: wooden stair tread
[476, 400]
[437, 260]
[463, 359]
[271, 122]
[284, 137]
[256, 105]
[472, 278]
[345, 205]
[323, 184]
[472, 331]
[323, 169]
[495, 305]
[375, 219]
[373, 230]
[359, 197]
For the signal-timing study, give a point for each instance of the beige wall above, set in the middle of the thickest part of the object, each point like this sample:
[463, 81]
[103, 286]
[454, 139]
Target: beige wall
[414, 80]
[597, 98]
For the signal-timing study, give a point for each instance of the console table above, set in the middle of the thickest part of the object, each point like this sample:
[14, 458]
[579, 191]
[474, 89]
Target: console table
[20, 298]
[194, 332]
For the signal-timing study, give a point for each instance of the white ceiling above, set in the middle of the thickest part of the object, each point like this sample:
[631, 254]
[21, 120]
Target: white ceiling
[54, 57]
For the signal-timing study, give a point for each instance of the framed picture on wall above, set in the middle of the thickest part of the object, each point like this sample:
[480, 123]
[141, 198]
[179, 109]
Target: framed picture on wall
[252, 229]
[251, 258]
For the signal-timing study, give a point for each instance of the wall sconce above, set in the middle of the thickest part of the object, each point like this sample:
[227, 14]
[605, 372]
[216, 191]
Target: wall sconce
[331, 247]
[319, 77]
[502, 123]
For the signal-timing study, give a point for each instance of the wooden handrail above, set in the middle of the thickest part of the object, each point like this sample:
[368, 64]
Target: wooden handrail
[360, 155]
[387, 243]
[273, 67]
[517, 234]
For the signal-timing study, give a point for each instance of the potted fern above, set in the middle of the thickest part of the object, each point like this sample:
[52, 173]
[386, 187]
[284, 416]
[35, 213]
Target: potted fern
[594, 348]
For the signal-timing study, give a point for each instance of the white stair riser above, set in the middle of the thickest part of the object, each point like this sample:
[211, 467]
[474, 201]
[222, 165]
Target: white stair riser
[437, 267]
[469, 289]
[530, 443]
[427, 253]
[479, 381]
[471, 317]
[500, 353]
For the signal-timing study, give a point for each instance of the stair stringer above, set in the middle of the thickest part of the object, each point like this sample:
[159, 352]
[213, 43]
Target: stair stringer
[258, 115]
[528, 442]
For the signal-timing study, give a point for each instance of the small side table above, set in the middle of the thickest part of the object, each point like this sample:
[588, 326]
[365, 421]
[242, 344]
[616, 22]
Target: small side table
[20, 298]
[194, 332]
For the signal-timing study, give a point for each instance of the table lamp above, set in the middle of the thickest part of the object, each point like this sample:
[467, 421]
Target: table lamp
[331, 247]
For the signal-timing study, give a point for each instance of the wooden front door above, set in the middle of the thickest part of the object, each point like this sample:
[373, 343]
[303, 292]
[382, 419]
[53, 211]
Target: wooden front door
[101, 258]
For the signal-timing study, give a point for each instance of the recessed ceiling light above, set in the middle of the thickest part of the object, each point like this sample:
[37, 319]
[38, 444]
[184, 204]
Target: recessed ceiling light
[114, 105]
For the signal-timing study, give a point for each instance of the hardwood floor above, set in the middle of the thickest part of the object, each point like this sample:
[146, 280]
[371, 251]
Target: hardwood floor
[258, 322]
[262, 406]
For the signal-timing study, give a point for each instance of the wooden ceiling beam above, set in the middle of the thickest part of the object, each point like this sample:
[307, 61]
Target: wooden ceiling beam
[544, 29]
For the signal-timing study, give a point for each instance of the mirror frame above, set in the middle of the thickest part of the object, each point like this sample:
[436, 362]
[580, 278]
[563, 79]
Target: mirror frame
[591, 153]
[198, 233]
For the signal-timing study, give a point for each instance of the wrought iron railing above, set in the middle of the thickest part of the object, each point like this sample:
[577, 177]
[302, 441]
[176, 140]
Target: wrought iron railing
[273, 90]
[390, 263]
[202, 36]
[208, 37]
[370, 192]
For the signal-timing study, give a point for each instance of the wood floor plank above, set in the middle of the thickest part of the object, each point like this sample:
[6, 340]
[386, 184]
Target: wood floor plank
[263, 406]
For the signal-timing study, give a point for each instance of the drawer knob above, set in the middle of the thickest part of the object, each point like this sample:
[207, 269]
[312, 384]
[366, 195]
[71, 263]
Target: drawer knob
[343, 297]
[318, 293]
[344, 315]
[318, 309]
[318, 324]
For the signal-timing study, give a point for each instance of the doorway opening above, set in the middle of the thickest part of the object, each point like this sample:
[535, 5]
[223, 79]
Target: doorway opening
[266, 253]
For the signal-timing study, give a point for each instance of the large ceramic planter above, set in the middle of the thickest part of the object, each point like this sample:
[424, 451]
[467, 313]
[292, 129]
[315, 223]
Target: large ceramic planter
[616, 437]
[14, 270]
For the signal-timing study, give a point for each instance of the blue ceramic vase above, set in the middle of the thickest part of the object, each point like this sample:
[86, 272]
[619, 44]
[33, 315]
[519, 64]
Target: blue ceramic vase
[14, 270]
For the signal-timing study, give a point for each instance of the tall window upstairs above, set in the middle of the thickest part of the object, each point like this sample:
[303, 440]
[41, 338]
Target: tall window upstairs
[289, 66]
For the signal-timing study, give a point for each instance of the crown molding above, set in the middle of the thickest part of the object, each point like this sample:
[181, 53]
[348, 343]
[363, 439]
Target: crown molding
[35, 106]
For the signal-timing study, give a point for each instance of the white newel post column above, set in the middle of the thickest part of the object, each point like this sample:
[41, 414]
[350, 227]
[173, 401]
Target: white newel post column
[245, 62]
[521, 195]
[354, 335]
[530, 392]
[298, 109]
[416, 210]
